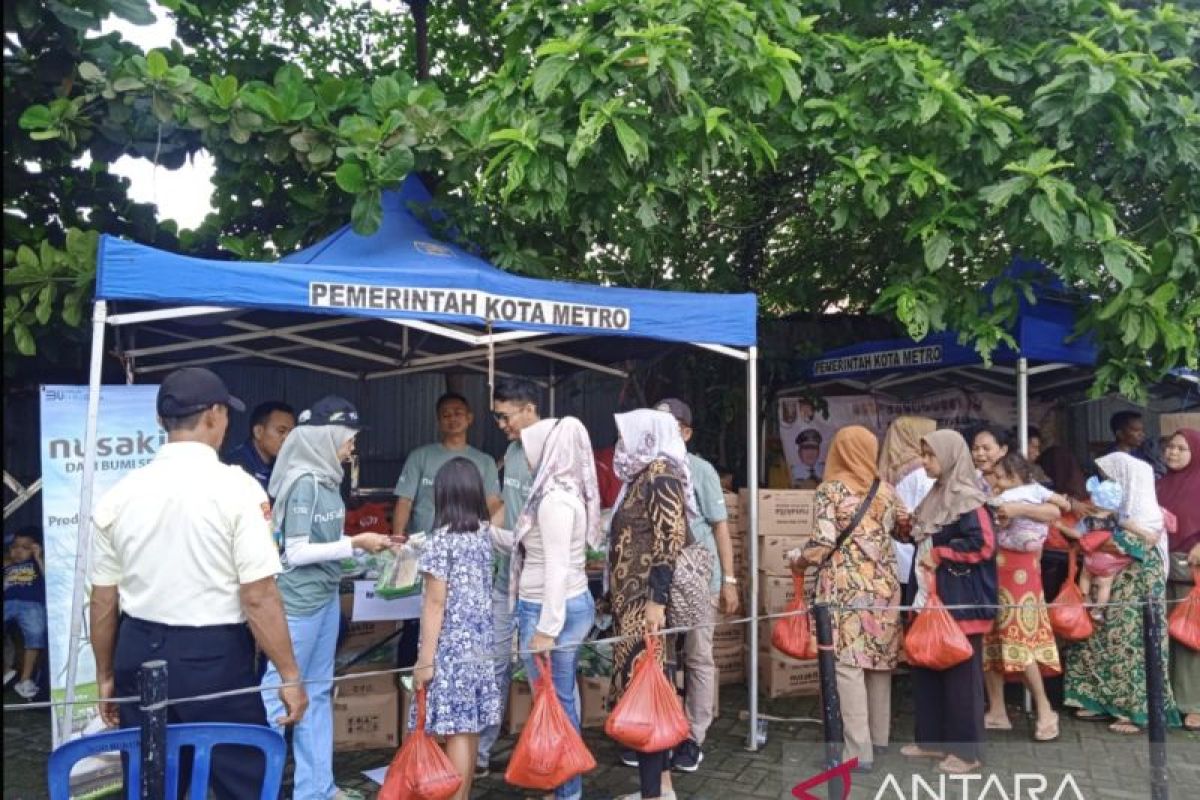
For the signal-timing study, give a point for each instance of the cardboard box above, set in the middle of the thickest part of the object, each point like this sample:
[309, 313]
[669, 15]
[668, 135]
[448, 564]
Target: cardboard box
[731, 666]
[773, 550]
[780, 676]
[520, 703]
[367, 721]
[1169, 423]
[593, 694]
[727, 637]
[782, 512]
[361, 635]
[374, 684]
[734, 513]
[776, 592]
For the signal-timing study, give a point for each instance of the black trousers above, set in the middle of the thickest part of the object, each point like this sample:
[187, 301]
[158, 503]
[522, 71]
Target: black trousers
[199, 661]
[651, 766]
[950, 706]
[1054, 575]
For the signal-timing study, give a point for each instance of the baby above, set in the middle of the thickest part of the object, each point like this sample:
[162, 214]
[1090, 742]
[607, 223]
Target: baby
[1012, 479]
[1100, 568]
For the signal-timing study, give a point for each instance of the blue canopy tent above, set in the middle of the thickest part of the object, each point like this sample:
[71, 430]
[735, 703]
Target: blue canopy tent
[393, 303]
[1046, 351]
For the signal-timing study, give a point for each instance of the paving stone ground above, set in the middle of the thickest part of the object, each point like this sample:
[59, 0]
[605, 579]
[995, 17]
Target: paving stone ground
[1101, 764]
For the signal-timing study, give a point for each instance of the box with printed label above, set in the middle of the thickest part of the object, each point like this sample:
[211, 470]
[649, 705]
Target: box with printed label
[520, 703]
[593, 694]
[728, 635]
[734, 514]
[361, 635]
[777, 591]
[366, 721]
[354, 684]
[731, 666]
[773, 551]
[780, 676]
[782, 512]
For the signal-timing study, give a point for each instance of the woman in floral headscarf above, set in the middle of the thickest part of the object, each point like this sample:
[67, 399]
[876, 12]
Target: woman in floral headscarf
[857, 573]
[1179, 492]
[649, 530]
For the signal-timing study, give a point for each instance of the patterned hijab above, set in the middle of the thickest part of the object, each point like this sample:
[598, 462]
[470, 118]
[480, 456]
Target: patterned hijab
[1140, 502]
[1179, 493]
[310, 450]
[560, 455]
[851, 458]
[901, 452]
[956, 490]
[648, 435]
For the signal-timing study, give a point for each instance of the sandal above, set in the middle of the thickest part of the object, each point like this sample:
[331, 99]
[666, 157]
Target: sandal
[953, 765]
[1191, 722]
[916, 751]
[1124, 727]
[991, 725]
[1091, 716]
[1047, 732]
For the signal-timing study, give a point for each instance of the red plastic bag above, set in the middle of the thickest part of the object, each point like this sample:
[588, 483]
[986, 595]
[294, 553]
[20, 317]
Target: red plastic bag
[649, 717]
[1068, 617]
[792, 635]
[550, 751]
[1184, 622]
[934, 640]
[420, 770]
[1092, 541]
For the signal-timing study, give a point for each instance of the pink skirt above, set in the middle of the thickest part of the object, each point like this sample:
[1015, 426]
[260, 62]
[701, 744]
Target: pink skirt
[1105, 565]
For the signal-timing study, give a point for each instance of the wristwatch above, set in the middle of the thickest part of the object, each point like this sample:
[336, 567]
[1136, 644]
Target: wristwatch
[732, 581]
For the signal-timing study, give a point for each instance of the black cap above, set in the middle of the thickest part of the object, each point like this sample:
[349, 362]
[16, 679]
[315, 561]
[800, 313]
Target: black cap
[809, 437]
[331, 410]
[191, 389]
[678, 409]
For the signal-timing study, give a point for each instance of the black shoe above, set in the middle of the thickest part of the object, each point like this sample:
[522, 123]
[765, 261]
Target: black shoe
[882, 749]
[482, 771]
[687, 757]
[629, 758]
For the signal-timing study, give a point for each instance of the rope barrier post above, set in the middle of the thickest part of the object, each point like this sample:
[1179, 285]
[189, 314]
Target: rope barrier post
[831, 707]
[153, 683]
[1156, 703]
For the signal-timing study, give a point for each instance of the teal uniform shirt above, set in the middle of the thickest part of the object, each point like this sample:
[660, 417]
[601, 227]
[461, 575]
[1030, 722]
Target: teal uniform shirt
[420, 468]
[312, 513]
[710, 501]
[518, 483]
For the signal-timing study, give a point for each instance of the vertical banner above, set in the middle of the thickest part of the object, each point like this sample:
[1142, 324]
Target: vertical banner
[127, 437]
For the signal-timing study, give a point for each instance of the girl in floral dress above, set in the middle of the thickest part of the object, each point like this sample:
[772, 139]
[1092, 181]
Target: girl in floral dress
[456, 618]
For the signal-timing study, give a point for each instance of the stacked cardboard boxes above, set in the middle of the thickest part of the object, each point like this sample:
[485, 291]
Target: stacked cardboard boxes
[367, 710]
[729, 641]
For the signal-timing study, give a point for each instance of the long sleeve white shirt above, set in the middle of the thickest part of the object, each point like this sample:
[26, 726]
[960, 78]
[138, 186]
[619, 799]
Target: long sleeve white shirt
[555, 553]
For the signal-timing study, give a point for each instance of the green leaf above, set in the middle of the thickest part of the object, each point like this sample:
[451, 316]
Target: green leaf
[1052, 220]
[791, 81]
[385, 93]
[1163, 296]
[937, 250]
[226, 89]
[27, 258]
[23, 339]
[1133, 328]
[127, 84]
[928, 107]
[90, 72]
[156, 64]
[45, 304]
[712, 117]
[631, 141]
[396, 164]
[1116, 262]
[367, 213]
[549, 75]
[999, 194]
[35, 117]
[136, 11]
[1100, 80]
[350, 177]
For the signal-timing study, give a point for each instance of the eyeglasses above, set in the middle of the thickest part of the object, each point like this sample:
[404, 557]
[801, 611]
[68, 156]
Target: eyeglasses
[502, 418]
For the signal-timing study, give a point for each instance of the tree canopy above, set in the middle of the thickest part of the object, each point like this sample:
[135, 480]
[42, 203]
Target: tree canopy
[836, 154]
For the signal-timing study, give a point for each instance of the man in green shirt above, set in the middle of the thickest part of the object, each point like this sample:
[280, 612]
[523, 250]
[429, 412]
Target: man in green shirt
[414, 490]
[515, 406]
[711, 529]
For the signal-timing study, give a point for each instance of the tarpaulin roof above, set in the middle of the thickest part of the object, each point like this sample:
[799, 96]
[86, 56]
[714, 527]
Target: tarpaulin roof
[1043, 332]
[402, 272]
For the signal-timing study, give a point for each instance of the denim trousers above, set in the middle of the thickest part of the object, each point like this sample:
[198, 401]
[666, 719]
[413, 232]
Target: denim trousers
[314, 640]
[580, 616]
[502, 639]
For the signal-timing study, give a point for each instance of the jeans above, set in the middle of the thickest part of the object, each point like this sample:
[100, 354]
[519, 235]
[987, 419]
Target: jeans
[314, 640]
[502, 638]
[581, 614]
[30, 617]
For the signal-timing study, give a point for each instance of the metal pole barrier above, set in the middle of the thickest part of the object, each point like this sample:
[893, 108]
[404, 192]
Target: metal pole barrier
[1156, 703]
[831, 707]
[153, 680]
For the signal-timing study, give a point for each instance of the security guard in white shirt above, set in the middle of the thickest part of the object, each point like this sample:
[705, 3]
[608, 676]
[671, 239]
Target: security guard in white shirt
[184, 571]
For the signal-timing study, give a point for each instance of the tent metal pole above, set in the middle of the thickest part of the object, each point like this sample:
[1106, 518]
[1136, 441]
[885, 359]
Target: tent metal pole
[169, 313]
[752, 535]
[550, 382]
[1023, 404]
[83, 539]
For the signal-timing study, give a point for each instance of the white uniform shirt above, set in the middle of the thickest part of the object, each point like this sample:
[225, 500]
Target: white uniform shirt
[180, 535]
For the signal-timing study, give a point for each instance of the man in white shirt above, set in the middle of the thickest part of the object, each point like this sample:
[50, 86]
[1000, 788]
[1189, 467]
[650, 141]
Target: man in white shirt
[184, 571]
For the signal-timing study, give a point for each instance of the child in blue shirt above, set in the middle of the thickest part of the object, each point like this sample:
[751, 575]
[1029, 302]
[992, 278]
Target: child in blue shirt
[25, 603]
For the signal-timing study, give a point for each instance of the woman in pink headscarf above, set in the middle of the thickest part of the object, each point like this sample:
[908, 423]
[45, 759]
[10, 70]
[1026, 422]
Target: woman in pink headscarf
[1179, 492]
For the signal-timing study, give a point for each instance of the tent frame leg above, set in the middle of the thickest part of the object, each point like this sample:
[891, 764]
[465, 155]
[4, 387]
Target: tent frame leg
[752, 537]
[83, 540]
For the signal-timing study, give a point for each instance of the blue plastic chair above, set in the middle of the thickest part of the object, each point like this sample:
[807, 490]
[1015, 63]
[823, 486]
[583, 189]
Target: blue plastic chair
[202, 736]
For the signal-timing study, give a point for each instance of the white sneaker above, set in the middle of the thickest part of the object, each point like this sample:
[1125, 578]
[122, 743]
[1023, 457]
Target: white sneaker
[9, 675]
[27, 689]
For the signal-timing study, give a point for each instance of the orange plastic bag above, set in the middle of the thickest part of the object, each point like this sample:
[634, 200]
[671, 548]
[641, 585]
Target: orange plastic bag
[420, 770]
[550, 751]
[1068, 617]
[649, 717]
[1094, 540]
[792, 635]
[1184, 622]
[935, 641]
